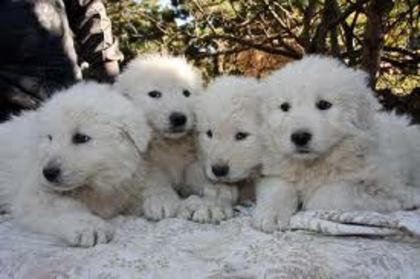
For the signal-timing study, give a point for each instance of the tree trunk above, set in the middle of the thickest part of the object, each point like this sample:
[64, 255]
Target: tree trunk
[374, 37]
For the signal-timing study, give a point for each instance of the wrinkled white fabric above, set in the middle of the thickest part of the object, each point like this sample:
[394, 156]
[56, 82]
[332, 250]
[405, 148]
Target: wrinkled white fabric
[401, 224]
[175, 248]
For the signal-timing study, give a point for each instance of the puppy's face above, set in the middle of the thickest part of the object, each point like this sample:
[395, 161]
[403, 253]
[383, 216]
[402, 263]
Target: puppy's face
[83, 145]
[306, 119]
[229, 133]
[168, 108]
[76, 156]
[164, 87]
[306, 126]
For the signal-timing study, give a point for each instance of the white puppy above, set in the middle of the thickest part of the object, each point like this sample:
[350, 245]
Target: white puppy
[88, 164]
[328, 148]
[228, 126]
[164, 87]
[17, 137]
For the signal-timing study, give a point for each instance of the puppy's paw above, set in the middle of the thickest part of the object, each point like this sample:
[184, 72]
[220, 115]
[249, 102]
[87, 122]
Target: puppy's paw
[205, 210]
[88, 232]
[222, 192]
[269, 222]
[213, 214]
[188, 206]
[158, 207]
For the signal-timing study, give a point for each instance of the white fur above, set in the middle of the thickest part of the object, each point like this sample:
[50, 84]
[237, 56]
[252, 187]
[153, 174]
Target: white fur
[229, 106]
[171, 150]
[99, 179]
[17, 137]
[357, 159]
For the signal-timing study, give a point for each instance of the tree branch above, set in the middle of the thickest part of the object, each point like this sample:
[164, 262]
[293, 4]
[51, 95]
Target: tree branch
[251, 44]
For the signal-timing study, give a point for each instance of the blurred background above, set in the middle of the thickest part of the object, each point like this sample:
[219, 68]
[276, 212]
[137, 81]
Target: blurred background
[255, 37]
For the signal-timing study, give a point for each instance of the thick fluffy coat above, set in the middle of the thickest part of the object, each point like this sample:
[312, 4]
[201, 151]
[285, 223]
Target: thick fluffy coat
[229, 143]
[87, 165]
[17, 137]
[165, 87]
[327, 147]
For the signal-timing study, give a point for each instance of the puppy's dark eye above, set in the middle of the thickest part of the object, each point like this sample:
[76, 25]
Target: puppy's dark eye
[323, 105]
[209, 133]
[241, 136]
[79, 138]
[186, 93]
[285, 107]
[49, 137]
[155, 94]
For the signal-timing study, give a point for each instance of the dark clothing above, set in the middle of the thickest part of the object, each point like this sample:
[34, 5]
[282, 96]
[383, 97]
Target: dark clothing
[42, 44]
[94, 41]
[34, 60]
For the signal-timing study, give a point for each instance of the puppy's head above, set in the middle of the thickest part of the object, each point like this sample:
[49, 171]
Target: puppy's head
[90, 136]
[164, 87]
[228, 126]
[313, 105]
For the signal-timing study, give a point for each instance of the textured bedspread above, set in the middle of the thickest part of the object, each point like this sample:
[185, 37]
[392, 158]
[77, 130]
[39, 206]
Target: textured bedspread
[364, 245]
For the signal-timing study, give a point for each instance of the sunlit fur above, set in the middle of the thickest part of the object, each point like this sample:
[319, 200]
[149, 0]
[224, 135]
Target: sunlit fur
[99, 178]
[172, 148]
[228, 107]
[357, 158]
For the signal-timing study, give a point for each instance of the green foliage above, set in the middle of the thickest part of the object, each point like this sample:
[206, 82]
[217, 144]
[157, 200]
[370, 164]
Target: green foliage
[256, 36]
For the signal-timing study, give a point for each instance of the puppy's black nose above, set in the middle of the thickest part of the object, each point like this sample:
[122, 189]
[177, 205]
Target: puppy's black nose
[51, 174]
[177, 119]
[301, 138]
[220, 170]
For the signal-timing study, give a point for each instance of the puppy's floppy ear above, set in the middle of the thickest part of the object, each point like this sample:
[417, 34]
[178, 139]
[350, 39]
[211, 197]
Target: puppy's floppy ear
[364, 102]
[366, 111]
[127, 95]
[121, 87]
[198, 103]
[134, 125]
[248, 98]
[263, 108]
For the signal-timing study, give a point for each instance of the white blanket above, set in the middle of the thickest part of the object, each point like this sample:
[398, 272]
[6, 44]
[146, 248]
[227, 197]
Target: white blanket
[176, 248]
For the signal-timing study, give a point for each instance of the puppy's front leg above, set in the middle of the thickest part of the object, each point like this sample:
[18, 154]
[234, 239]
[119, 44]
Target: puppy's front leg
[160, 199]
[62, 217]
[209, 202]
[277, 201]
[220, 198]
[212, 207]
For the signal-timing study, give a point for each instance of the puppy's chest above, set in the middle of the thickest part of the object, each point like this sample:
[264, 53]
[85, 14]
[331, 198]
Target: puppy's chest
[105, 206]
[308, 177]
[108, 205]
[172, 157]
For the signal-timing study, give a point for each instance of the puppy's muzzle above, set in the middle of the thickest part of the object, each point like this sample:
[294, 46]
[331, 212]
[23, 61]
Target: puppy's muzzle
[178, 120]
[301, 138]
[220, 170]
[52, 172]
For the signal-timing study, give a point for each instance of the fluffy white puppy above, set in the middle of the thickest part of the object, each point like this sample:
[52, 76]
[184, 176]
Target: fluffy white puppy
[328, 148]
[87, 164]
[229, 143]
[17, 137]
[164, 87]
